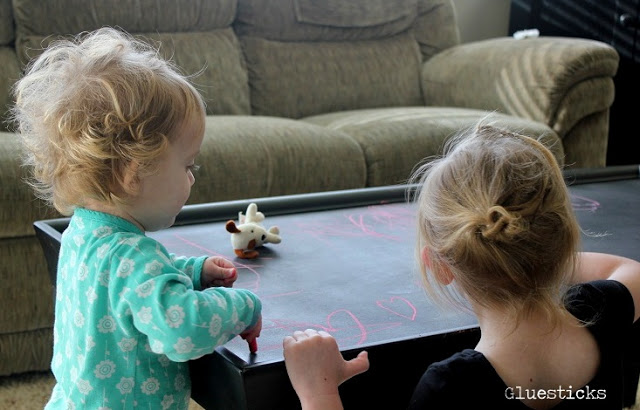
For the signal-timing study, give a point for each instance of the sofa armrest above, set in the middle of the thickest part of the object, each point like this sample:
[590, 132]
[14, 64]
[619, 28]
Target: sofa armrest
[557, 81]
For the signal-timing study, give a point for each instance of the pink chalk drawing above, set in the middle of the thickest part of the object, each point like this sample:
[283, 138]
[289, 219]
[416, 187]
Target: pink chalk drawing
[369, 230]
[382, 217]
[343, 324]
[372, 222]
[398, 306]
[581, 203]
[279, 295]
[360, 334]
[323, 231]
[398, 216]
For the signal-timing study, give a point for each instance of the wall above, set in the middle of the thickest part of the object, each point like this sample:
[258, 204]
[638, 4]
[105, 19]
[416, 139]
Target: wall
[482, 19]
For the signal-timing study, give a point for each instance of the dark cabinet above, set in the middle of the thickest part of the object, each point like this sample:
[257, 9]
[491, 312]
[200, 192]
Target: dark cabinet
[615, 22]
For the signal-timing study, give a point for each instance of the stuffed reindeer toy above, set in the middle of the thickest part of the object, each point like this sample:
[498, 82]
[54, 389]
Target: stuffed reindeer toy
[249, 234]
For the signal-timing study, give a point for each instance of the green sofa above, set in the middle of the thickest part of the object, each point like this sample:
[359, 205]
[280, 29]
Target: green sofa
[303, 96]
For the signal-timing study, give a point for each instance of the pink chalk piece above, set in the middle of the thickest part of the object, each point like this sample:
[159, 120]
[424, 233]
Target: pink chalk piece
[253, 345]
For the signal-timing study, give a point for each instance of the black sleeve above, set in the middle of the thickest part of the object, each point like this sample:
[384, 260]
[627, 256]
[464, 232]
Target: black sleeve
[605, 306]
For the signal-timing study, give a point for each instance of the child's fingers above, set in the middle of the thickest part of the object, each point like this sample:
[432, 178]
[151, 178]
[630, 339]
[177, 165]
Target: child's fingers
[253, 332]
[288, 340]
[225, 283]
[222, 262]
[300, 335]
[357, 365]
[228, 274]
[226, 268]
[318, 349]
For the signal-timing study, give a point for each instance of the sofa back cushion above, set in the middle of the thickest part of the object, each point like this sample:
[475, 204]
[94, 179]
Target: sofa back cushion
[296, 80]
[307, 57]
[9, 68]
[329, 20]
[6, 23]
[436, 27]
[196, 34]
[340, 13]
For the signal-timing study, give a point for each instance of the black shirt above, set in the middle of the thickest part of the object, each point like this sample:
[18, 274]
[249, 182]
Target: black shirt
[467, 379]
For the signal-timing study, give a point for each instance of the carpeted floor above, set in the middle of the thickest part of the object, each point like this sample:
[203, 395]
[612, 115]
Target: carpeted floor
[30, 391]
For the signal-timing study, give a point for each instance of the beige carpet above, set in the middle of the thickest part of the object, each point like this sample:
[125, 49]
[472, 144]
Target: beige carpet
[30, 391]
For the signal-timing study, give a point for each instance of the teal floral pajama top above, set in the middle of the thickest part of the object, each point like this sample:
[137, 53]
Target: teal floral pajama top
[129, 315]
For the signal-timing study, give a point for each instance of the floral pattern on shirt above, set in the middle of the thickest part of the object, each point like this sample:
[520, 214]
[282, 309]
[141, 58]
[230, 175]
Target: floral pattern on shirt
[129, 315]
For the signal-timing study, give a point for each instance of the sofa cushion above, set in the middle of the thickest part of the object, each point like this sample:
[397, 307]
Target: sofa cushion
[213, 60]
[6, 23]
[265, 156]
[436, 27]
[215, 63]
[353, 13]
[196, 35]
[300, 79]
[395, 140]
[308, 20]
[26, 285]
[26, 351]
[26, 334]
[9, 73]
[37, 17]
[432, 22]
[18, 206]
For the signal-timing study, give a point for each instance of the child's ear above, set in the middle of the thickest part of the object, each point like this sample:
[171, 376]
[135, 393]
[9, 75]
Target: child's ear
[442, 273]
[426, 259]
[130, 178]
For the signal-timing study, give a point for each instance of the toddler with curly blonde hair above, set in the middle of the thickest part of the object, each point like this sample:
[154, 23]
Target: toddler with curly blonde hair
[111, 132]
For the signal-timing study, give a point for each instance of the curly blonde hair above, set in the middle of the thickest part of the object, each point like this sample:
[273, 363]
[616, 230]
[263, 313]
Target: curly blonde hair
[495, 214]
[90, 106]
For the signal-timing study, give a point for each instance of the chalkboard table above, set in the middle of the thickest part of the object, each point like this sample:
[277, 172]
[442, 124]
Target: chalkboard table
[346, 265]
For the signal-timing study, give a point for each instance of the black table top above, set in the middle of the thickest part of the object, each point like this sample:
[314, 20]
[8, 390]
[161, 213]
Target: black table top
[352, 272]
[346, 265]
[347, 271]
[346, 262]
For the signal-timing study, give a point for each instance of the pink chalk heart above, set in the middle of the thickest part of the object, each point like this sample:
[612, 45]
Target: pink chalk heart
[399, 306]
[343, 320]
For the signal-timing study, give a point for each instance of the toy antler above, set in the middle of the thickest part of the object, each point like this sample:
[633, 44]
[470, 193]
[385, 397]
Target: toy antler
[231, 227]
[250, 234]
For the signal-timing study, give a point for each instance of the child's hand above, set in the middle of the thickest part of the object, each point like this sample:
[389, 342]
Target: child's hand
[251, 334]
[217, 271]
[316, 366]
